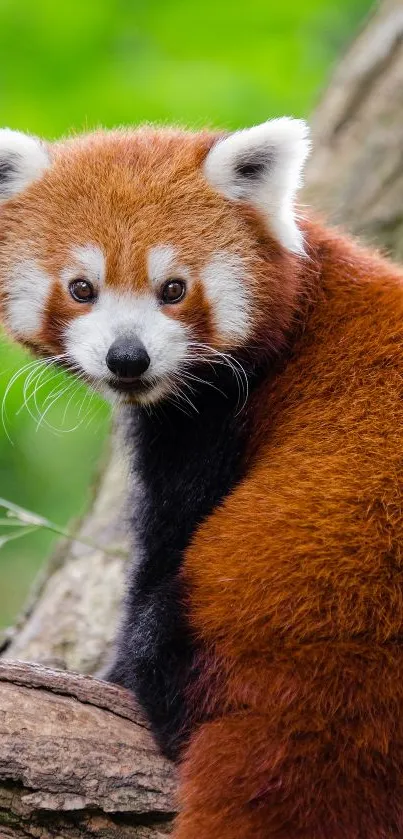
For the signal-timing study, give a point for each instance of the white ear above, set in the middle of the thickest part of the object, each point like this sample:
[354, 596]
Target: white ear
[23, 159]
[263, 166]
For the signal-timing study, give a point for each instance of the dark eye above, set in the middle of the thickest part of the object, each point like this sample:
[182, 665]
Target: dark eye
[82, 291]
[173, 291]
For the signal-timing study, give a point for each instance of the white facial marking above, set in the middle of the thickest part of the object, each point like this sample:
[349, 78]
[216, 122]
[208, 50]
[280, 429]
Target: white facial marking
[163, 263]
[228, 293]
[160, 262]
[92, 259]
[23, 159]
[114, 315]
[263, 166]
[28, 288]
[88, 260]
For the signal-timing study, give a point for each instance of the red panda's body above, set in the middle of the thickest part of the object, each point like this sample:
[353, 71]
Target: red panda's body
[296, 583]
[263, 621]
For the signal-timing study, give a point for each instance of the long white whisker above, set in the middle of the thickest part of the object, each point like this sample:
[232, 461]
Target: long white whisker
[46, 411]
[68, 403]
[176, 382]
[185, 376]
[88, 395]
[235, 366]
[31, 366]
[36, 388]
[177, 405]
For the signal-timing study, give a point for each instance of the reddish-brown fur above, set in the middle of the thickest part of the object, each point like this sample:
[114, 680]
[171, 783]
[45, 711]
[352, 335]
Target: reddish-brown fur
[295, 581]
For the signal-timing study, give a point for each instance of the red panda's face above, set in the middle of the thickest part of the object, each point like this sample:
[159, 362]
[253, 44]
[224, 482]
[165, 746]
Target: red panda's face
[136, 255]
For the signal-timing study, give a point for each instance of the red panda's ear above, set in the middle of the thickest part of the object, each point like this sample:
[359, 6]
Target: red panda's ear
[23, 159]
[263, 167]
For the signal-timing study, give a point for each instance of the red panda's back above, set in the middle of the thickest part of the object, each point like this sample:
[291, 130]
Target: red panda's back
[310, 545]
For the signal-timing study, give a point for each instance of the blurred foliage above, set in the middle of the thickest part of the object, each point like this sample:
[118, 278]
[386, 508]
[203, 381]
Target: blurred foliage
[75, 65]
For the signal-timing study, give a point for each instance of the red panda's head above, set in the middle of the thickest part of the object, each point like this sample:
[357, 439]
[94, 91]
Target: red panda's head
[134, 254]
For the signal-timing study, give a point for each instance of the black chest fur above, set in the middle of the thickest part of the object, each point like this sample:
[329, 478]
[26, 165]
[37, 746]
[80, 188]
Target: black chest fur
[183, 466]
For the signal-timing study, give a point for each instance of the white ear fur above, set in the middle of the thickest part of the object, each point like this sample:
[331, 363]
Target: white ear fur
[23, 159]
[263, 166]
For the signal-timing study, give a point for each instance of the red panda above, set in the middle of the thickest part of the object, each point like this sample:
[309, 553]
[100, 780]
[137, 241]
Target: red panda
[256, 358]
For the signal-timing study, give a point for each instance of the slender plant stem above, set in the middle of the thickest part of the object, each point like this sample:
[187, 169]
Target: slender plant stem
[32, 521]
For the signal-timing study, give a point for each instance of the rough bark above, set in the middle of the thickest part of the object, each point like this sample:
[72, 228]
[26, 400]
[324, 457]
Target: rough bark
[356, 171]
[77, 760]
[356, 177]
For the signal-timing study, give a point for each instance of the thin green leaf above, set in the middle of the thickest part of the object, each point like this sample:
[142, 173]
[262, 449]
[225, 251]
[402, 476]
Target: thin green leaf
[28, 518]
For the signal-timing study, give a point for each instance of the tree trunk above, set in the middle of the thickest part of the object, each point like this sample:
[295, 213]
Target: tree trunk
[356, 177]
[71, 618]
[356, 171]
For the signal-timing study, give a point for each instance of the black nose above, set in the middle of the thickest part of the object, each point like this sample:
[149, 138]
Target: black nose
[127, 358]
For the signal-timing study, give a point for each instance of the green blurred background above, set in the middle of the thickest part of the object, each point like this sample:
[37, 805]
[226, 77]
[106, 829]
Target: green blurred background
[76, 65]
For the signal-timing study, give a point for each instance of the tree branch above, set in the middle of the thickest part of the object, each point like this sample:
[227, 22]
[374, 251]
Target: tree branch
[77, 760]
